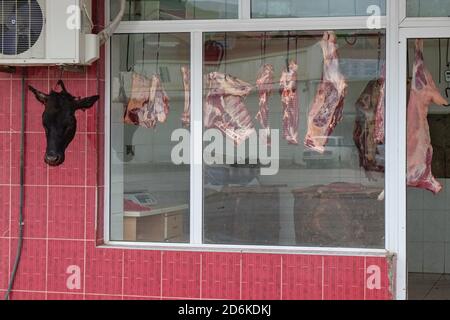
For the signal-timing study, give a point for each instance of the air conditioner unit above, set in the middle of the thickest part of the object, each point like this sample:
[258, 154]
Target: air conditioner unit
[47, 32]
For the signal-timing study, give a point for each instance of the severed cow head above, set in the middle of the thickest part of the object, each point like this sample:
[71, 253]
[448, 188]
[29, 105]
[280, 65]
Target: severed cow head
[59, 120]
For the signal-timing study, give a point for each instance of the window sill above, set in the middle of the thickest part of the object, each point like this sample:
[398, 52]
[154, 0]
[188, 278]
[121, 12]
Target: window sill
[247, 249]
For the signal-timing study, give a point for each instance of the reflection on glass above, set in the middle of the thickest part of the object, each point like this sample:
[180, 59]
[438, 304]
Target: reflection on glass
[261, 184]
[177, 9]
[317, 8]
[428, 8]
[149, 193]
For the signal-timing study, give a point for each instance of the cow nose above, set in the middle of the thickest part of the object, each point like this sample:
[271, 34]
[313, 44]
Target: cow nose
[51, 158]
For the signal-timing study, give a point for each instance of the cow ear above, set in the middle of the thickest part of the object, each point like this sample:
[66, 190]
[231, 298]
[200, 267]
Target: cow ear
[42, 97]
[86, 103]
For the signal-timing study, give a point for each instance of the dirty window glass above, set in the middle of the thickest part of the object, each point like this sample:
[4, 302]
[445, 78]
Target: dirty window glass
[428, 8]
[317, 8]
[178, 10]
[149, 192]
[274, 174]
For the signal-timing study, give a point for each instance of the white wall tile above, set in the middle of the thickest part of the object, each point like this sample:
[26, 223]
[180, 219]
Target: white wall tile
[415, 256]
[434, 225]
[415, 226]
[434, 257]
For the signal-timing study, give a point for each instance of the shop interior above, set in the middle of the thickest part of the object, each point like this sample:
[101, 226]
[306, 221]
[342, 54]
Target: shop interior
[428, 214]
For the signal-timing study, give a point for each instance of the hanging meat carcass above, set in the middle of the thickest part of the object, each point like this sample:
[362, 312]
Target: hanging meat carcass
[419, 150]
[149, 103]
[186, 117]
[327, 107]
[289, 100]
[380, 112]
[264, 84]
[225, 109]
[160, 99]
[364, 134]
[140, 95]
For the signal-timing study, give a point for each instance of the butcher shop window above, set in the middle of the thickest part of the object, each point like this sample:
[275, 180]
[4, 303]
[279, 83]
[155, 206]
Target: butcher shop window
[294, 138]
[177, 10]
[317, 8]
[428, 8]
[149, 192]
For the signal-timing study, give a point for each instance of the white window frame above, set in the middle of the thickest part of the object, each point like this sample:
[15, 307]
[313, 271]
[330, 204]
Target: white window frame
[390, 23]
[408, 28]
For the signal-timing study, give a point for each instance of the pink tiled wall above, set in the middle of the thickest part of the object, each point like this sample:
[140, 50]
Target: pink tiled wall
[63, 207]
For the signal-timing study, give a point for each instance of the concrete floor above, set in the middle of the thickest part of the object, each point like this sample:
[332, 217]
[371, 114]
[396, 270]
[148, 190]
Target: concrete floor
[428, 286]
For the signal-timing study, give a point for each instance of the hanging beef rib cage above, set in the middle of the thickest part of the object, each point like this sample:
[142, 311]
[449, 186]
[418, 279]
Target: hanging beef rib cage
[225, 109]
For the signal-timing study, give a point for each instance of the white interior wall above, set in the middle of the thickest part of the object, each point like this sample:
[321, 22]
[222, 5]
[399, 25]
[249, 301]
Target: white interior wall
[428, 216]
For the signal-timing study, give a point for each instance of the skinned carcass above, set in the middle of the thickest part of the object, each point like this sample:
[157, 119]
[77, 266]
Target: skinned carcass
[380, 112]
[289, 100]
[186, 117]
[264, 84]
[225, 109]
[364, 134]
[149, 103]
[327, 107]
[140, 95]
[419, 150]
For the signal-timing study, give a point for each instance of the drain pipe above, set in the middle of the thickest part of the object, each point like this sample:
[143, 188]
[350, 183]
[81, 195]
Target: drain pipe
[106, 33]
[22, 191]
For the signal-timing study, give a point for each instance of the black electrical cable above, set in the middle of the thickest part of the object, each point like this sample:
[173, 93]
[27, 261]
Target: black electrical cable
[22, 192]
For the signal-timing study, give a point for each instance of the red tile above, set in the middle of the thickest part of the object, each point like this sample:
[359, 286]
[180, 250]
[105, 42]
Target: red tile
[34, 109]
[100, 216]
[28, 296]
[31, 272]
[103, 270]
[142, 273]
[97, 112]
[181, 274]
[134, 298]
[101, 162]
[5, 105]
[91, 212]
[66, 214]
[35, 167]
[55, 75]
[99, 297]
[344, 278]
[92, 165]
[4, 260]
[221, 275]
[72, 172]
[37, 73]
[5, 76]
[302, 277]
[4, 211]
[373, 291]
[5, 158]
[261, 277]
[64, 296]
[65, 266]
[35, 211]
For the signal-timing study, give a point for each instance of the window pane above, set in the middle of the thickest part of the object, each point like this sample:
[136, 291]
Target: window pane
[149, 193]
[317, 8]
[265, 187]
[428, 8]
[178, 10]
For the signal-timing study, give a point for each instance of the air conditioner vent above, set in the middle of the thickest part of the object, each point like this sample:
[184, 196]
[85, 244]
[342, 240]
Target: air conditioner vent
[21, 24]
